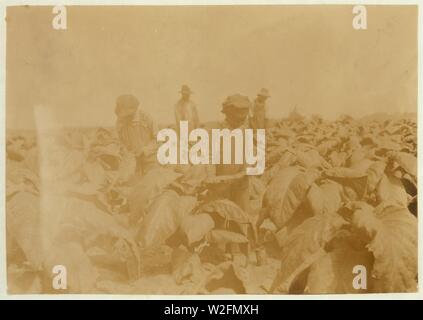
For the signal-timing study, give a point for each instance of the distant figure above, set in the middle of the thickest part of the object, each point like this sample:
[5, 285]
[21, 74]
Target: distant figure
[135, 128]
[258, 120]
[185, 109]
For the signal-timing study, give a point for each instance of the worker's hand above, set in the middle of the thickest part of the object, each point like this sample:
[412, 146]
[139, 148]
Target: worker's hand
[223, 179]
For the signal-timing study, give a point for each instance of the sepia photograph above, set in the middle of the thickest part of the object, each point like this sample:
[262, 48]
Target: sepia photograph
[211, 149]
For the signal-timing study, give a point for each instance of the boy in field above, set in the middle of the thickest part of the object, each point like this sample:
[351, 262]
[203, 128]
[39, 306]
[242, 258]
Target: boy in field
[136, 130]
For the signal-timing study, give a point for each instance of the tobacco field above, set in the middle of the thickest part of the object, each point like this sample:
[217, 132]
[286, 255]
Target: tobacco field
[334, 195]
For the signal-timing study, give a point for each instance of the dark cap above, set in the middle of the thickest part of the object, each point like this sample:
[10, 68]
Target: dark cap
[236, 102]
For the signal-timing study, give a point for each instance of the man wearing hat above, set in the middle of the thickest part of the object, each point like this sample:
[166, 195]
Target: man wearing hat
[258, 120]
[185, 109]
[230, 180]
[135, 128]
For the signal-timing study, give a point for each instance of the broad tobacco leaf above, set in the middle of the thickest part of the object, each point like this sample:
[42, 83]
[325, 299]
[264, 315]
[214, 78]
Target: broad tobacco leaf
[362, 165]
[224, 237]
[386, 142]
[303, 246]
[329, 144]
[284, 133]
[393, 241]
[257, 188]
[19, 178]
[16, 150]
[23, 280]
[186, 266]
[111, 149]
[325, 198]
[226, 278]
[197, 226]
[287, 159]
[31, 160]
[164, 217]
[275, 153]
[69, 218]
[356, 157]
[337, 159]
[16, 173]
[345, 173]
[149, 186]
[193, 177]
[286, 192]
[391, 189]
[350, 178]
[24, 225]
[374, 174]
[67, 164]
[67, 225]
[86, 188]
[196, 173]
[407, 161]
[294, 196]
[227, 209]
[95, 173]
[81, 274]
[309, 159]
[333, 273]
[278, 185]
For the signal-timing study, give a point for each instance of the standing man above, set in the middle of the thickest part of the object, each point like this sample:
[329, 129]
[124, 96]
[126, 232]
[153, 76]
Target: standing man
[258, 120]
[229, 180]
[135, 128]
[185, 109]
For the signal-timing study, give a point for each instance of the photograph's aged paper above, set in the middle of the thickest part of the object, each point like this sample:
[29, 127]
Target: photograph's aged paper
[192, 150]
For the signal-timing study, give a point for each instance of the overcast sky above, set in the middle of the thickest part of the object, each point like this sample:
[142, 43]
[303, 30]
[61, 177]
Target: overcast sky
[309, 57]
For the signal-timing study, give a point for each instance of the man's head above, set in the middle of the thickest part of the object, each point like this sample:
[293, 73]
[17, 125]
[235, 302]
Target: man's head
[185, 92]
[263, 95]
[236, 109]
[126, 106]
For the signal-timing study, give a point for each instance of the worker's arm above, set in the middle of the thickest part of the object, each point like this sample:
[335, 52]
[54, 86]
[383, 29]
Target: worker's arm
[225, 178]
